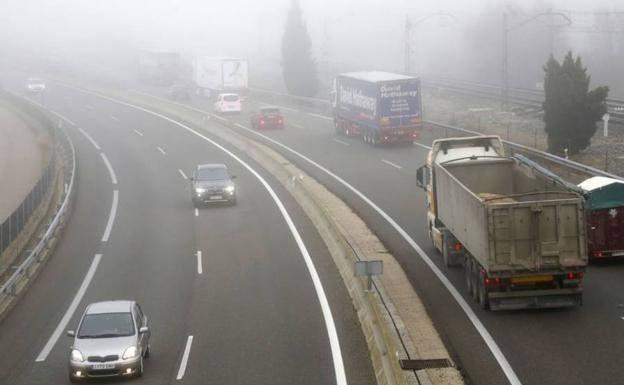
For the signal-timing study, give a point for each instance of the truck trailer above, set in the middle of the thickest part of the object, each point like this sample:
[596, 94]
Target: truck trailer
[380, 107]
[517, 229]
[220, 74]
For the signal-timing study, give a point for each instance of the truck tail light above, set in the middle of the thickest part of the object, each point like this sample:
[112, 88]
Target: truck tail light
[457, 247]
[575, 276]
[492, 282]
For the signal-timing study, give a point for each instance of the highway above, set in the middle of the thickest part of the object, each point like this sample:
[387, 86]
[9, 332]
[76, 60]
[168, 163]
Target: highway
[227, 290]
[570, 346]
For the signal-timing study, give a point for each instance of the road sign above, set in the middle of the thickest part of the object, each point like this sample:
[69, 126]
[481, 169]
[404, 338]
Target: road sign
[368, 268]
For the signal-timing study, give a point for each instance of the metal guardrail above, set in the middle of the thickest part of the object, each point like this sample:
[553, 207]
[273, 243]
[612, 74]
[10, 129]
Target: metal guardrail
[62, 140]
[324, 105]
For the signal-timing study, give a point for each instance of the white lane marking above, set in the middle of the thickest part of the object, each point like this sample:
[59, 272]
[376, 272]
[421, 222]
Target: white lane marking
[161, 150]
[70, 310]
[109, 167]
[422, 145]
[483, 332]
[342, 142]
[296, 125]
[185, 357]
[182, 173]
[200, 268]
[111, 216]
[89, 138]
[196, 212]
[334, 342]
[89, 107]
[139, 133]
[391, 164]
[63, 117]
[115, 118]
[320, 116]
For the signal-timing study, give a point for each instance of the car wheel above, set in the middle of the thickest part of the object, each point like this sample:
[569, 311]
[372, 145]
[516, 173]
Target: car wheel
[233, 202]
[74, 380]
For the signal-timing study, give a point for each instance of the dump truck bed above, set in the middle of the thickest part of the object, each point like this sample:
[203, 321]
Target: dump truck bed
[509, 217]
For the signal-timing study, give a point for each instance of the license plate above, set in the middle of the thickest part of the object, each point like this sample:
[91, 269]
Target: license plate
[103, 366]
[532, 279]
[216, 197]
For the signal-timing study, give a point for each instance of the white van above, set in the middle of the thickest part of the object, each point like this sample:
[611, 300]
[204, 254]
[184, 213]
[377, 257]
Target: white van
[228, 103]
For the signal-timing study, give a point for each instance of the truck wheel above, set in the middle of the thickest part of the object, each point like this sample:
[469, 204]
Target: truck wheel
[374, 139]
[482, 294]
[445, 255]
[475, 281]
[365, 136]
[468, 275]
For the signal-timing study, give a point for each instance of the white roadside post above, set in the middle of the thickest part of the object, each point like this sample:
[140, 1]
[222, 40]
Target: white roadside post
[605, 127]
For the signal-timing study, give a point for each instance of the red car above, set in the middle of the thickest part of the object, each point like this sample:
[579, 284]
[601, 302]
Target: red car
[267, 117]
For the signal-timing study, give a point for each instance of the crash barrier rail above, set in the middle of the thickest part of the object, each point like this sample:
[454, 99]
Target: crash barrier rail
[544, 158]
[63, 153]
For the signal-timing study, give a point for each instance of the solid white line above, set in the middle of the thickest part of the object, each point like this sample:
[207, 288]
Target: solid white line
[422, 145]
[110, 168]
[111, 216]
[342, 142]
[70, 310]
[320, 116]
[391, 164]
[185, 357]
[334, 342]
[63, 117]
[89, 138]
[485, 335]
[89, 107]
[114, 118]
[161, 150]
[200, 269]
[296, 125]
[138, 132]
[182, 173]
[196, 212]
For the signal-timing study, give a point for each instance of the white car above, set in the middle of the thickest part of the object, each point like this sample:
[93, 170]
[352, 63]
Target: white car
[35, 85]
[228, 103]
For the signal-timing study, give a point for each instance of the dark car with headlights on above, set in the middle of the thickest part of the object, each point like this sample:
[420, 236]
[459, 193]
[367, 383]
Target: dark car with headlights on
[267, 117]
[112, 340]
[211, 183]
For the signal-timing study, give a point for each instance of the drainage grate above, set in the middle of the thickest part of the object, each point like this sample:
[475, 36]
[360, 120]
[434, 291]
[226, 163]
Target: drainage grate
[425, 364]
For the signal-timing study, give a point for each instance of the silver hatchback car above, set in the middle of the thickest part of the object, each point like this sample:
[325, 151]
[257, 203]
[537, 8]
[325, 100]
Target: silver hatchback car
[112, 340]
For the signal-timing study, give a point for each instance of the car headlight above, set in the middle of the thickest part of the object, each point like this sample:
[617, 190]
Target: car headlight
[76, 356]
[131, 352]
[200, 190]
[229, 189]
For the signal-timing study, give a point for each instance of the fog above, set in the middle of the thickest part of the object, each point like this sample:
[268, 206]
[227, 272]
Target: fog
[451, 38]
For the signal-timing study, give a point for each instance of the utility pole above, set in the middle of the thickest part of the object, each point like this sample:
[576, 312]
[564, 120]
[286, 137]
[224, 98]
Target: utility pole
[505, 74]
[408, 55]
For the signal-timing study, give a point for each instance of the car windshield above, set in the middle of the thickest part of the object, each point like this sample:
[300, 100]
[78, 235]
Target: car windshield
[270, 111]
[106, 325]
[212, 173]
[230, 98]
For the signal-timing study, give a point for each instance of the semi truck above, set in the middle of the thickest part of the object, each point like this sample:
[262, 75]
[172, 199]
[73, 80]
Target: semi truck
[605, 217]
[381, 107]
[517, 229]
[220, 74]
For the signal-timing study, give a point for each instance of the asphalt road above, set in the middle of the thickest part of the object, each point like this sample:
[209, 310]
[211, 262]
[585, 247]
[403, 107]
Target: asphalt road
[249, 303]
[569, 346]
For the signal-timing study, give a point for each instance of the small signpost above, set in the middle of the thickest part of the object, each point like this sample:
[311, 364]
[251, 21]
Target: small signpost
[605, 127]
[368, 268]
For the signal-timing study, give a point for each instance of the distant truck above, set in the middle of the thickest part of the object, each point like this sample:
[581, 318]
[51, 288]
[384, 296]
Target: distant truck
[605, 217]
[213, 75]
[518, 229]
[381, 107]
[158, 67]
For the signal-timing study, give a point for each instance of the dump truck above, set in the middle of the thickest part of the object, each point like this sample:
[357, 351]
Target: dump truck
[605, 217]
[517, 229]
[381, 107]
